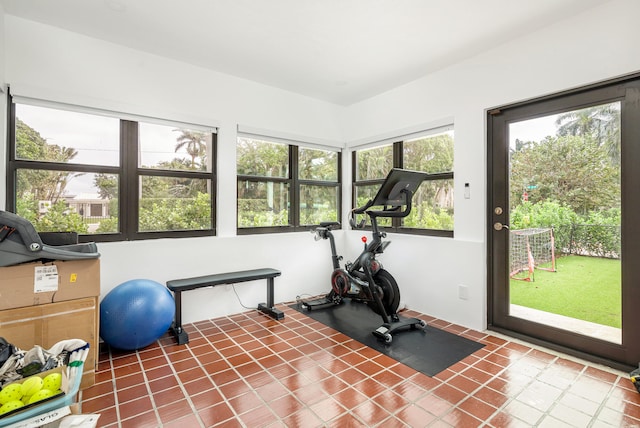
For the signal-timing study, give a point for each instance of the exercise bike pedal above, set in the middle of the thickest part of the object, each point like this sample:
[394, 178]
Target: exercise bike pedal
[316, 304]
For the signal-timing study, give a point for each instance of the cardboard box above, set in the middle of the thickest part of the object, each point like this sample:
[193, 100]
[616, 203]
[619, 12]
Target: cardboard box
[46, 325]
[39, 283]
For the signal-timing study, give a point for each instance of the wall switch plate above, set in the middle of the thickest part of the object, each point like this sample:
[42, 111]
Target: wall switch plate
[463, 292]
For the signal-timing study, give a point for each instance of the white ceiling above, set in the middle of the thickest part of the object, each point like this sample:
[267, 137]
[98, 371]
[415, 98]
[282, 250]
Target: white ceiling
[341, 51]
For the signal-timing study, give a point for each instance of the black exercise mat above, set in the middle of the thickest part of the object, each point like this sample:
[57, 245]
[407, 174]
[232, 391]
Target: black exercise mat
[429, 350]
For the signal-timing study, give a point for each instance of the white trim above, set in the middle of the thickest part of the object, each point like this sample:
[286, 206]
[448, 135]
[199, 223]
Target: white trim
[285, 138]
[110, 113]
[422, 130]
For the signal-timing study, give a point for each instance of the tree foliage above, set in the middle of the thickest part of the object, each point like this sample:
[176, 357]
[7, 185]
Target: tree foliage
[598, 124]
[266, 202]
[262, 158]
[175, 213]
[43, 185]
[569, 169]
[317, 165]
[58, 218]
[430, 154]
[374, 163]
[433, 202]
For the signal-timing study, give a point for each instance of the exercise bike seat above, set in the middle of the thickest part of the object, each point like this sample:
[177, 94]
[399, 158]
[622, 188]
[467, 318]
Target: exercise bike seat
[329, 223]
[20, 243]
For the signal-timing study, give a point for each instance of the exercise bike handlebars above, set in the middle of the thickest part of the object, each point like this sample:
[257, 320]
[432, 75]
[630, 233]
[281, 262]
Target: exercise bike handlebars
[394, 211]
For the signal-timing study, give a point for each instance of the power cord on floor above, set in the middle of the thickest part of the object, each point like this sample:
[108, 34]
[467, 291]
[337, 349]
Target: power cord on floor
[233, 287]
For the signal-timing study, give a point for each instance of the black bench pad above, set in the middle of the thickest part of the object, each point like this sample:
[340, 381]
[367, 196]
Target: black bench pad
[221, 278]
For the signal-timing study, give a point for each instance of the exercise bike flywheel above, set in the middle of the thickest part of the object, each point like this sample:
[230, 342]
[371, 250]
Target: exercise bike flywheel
[390, 293]
[340, 282]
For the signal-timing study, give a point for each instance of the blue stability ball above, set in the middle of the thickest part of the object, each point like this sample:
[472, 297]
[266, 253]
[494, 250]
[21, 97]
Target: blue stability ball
[135, 314]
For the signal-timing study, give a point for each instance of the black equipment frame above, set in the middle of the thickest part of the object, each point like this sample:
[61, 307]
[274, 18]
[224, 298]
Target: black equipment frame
[358, 279]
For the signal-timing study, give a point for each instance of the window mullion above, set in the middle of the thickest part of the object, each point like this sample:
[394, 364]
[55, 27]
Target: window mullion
[11, 201]
[398, 158]
[129, 206]
[398, 162]
[294, 187]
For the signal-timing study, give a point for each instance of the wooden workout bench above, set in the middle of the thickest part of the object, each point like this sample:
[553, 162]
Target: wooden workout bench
[186, 284]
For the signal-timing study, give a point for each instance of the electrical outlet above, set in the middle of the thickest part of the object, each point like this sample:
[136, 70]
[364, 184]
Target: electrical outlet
[463, 292]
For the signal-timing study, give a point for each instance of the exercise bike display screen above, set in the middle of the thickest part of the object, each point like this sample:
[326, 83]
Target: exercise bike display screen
[391, 192]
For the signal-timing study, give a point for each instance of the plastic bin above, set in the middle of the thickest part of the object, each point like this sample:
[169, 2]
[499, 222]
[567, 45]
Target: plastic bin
[75, 369]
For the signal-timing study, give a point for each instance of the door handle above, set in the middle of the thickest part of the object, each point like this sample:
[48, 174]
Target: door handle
[499, 226]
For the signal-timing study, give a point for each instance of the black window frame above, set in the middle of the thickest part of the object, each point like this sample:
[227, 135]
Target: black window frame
[397, 162]
[294, 183]
[128, 172]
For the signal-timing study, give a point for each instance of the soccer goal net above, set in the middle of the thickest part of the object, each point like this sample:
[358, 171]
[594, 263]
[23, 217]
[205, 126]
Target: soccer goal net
[531, 249]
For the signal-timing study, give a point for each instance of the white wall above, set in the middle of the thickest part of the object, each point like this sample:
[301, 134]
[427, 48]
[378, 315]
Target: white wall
[305, 266]
[45, 62]
[596, 45]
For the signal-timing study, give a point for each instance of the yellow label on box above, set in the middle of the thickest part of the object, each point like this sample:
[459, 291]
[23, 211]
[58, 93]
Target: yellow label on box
[74, 277]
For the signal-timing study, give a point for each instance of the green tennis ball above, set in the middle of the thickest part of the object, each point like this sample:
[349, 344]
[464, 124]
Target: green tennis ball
[31, 386]
[10, 393]
[40, 395]
[52, 381]
[10, 405]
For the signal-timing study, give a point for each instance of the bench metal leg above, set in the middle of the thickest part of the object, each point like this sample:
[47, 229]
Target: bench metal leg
[268, 308]
[181, 336]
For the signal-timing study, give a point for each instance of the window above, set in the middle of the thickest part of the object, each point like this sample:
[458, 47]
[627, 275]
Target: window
[431, 152]
[106, 177]
[284, 187]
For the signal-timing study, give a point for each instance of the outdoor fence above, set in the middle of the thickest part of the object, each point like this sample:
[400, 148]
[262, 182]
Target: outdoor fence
[588, 240]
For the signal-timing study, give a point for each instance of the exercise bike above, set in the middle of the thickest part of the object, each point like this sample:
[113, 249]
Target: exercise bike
[365, 280]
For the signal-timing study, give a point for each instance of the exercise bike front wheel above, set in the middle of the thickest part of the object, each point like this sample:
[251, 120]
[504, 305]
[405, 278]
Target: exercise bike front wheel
[390, 293]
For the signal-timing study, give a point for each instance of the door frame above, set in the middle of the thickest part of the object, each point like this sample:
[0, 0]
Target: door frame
[627, 90]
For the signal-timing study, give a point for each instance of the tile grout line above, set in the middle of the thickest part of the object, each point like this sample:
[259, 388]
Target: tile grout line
[181, 385]
[148, 387]
[216, 386]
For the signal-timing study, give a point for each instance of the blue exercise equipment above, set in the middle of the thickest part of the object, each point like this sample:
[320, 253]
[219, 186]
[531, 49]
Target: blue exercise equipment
[135, 314]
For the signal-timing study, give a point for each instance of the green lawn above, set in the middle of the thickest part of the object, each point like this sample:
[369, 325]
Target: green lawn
[586, 288]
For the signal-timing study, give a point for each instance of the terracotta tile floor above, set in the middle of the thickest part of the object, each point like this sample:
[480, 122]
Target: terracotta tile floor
[248, 370]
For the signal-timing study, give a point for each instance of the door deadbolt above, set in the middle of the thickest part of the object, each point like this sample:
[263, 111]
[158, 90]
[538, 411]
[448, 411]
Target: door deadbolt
[497, 210]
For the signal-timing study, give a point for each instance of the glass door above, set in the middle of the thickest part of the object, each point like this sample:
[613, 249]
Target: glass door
[564, 221]
[561, 222]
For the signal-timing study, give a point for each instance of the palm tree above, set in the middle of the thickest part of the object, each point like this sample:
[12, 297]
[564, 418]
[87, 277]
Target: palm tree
[58, 180]
[194, 142]
[600, 123]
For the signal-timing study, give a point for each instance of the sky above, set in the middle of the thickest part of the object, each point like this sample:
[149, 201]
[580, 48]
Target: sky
[532, 129]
